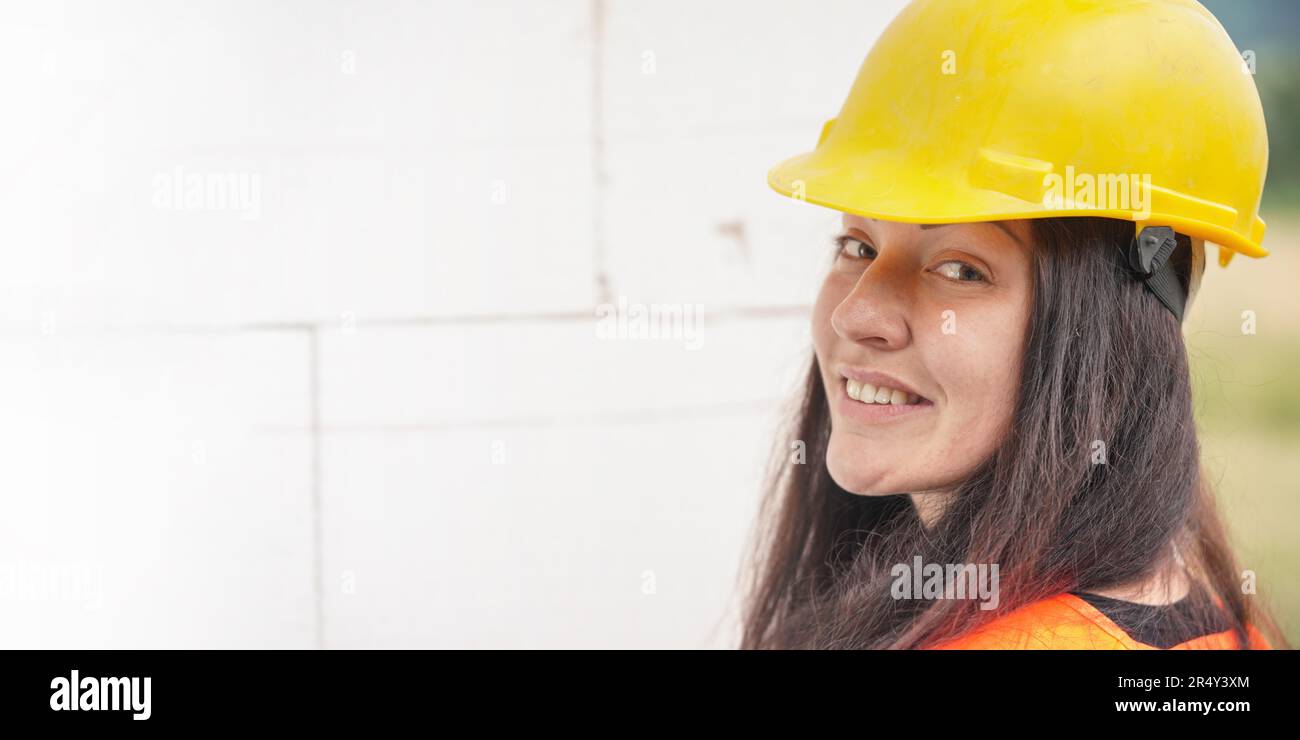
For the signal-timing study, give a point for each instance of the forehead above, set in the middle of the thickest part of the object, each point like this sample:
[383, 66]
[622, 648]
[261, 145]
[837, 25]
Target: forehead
[1018, 229]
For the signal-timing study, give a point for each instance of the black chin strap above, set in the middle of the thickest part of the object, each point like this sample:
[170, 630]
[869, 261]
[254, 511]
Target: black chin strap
[1148, 255]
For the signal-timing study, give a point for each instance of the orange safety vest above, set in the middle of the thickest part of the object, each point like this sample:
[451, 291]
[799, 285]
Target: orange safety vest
[1067, 622]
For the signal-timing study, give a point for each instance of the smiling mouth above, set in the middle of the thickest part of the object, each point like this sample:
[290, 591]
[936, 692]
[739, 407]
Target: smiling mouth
[866, 393]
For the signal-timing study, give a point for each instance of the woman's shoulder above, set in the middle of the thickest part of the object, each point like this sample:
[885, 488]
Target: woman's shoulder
[1068, 622]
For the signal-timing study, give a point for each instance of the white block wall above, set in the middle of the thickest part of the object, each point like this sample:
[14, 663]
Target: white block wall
[362, 402]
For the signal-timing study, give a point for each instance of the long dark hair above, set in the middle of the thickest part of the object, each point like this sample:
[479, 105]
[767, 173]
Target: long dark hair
[1104, 364]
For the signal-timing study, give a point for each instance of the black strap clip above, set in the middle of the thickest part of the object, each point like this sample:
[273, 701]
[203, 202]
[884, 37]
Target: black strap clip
[1148, 256]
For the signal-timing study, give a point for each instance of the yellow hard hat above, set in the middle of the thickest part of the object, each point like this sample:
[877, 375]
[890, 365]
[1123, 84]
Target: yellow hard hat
[980, 110]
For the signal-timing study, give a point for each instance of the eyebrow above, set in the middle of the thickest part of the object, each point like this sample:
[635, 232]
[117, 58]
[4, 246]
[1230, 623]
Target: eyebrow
[998, 224]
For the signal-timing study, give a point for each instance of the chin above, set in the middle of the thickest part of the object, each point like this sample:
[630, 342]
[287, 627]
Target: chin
[853, 468]
[855, 474]
[857, 488]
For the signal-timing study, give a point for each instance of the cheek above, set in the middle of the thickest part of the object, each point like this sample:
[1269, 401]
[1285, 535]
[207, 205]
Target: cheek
[830, 296]
[978, 367]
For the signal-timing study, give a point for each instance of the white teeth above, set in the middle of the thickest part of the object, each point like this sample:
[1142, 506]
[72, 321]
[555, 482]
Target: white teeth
[868, 393]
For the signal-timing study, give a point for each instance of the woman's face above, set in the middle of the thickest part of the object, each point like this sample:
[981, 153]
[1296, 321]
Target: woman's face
[928, 322]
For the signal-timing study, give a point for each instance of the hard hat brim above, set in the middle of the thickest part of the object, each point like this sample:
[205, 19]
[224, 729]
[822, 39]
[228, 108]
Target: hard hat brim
[899, 190]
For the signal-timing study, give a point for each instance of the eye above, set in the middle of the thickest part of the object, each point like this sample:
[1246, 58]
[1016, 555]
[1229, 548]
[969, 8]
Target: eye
[853, 248]
[960, 272]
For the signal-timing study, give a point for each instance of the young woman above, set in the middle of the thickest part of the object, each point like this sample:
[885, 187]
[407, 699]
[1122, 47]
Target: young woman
[995, 446]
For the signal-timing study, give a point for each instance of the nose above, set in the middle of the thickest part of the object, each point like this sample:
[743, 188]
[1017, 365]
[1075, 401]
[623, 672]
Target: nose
[875, 311]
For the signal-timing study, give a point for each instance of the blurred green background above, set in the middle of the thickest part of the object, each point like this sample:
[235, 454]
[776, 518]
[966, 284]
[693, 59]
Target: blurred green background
[1247, 397]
